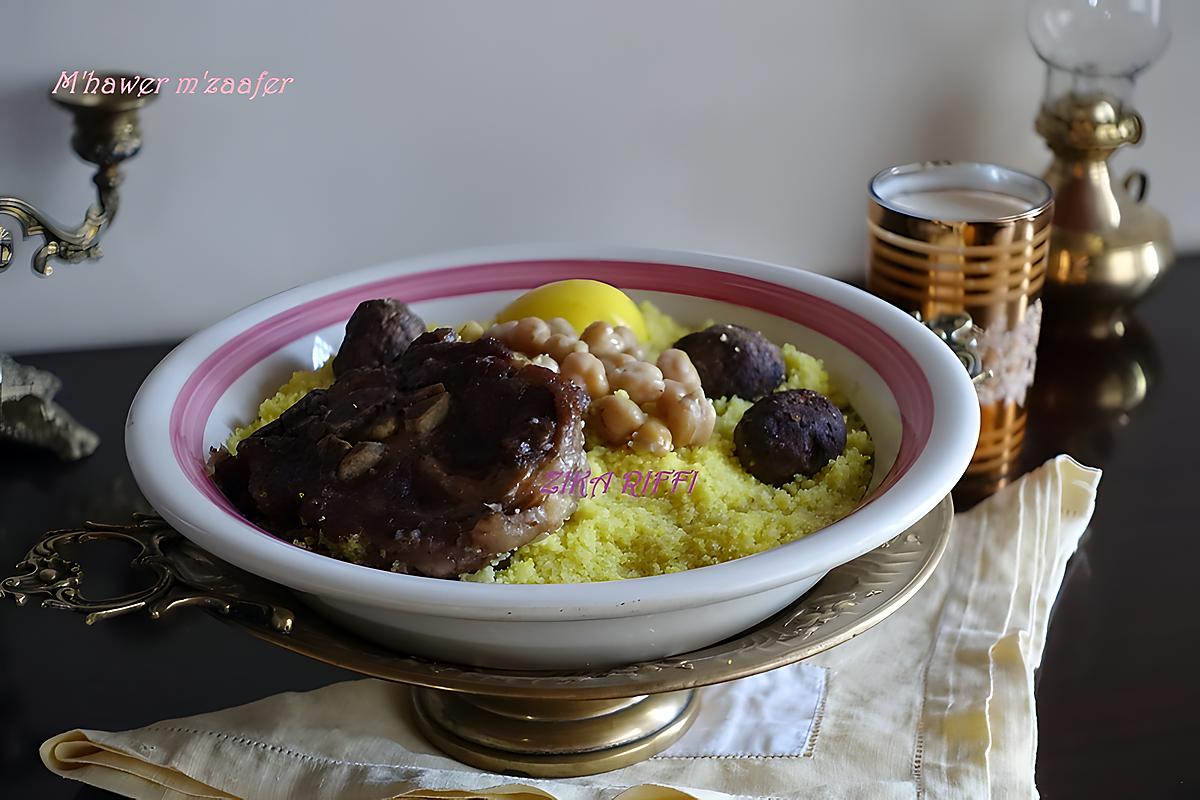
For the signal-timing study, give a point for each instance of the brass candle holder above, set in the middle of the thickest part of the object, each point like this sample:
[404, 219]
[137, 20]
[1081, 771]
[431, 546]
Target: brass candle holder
[106, 134]
[1108, 247]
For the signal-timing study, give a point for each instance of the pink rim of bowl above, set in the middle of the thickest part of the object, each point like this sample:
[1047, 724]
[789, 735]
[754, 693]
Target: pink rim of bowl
[204, 385]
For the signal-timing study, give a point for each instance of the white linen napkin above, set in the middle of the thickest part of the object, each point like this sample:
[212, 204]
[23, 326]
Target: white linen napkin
[936, 701]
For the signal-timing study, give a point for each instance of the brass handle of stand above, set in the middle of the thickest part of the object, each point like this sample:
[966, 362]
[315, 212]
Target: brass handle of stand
[184, 576]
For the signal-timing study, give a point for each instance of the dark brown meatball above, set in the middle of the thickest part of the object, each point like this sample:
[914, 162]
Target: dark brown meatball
[790, 433]
[733, 360]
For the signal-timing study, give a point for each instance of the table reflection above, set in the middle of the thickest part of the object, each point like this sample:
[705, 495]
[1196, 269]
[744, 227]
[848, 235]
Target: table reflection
[1087, 389]
[1089, 384]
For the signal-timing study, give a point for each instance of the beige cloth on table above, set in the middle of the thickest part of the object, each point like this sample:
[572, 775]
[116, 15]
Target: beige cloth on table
[936, 701]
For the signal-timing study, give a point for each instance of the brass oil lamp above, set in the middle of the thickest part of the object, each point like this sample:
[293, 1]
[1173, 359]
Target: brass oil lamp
[1108, 246]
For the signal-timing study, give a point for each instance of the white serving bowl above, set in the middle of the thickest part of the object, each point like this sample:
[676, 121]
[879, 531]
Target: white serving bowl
[907, 385]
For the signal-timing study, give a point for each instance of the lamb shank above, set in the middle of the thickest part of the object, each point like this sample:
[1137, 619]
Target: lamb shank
[426, 456]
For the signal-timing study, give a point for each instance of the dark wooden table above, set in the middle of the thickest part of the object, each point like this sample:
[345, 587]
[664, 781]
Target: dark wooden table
[1119, 688]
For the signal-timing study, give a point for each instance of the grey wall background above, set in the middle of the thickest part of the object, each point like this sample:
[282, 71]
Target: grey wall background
[748, 128]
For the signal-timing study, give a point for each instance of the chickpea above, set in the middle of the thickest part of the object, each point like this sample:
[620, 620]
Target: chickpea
[640, 379]
[688, 414]
[586, 370]
[618, 418]
[502, 331]
[615, 361]
[607, 359]
[560, 345]
[673, 391]
[529, 336]
[629, 341]
[526, 335]
[708, 421]
[676, 365]
[561, 327]
[602, 340]
[652, 437]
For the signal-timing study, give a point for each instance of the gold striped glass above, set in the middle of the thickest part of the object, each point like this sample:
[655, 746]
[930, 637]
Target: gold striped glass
[952, 237]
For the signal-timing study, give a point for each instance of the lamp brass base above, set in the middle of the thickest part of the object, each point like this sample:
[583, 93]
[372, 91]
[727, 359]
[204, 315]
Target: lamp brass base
[1108, 246]
[552, 738]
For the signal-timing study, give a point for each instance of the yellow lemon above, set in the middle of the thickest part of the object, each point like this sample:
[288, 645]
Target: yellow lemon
[579, 302]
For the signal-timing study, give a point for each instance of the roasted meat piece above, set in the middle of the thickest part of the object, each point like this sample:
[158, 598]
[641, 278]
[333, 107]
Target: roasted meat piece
[431, 465]
[377, 333]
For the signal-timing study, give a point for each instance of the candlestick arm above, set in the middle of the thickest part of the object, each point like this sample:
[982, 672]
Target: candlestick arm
[70, 245]
[106, 132]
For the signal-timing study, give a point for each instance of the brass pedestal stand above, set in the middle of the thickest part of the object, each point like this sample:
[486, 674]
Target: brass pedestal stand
[538, 724]
[553, 739]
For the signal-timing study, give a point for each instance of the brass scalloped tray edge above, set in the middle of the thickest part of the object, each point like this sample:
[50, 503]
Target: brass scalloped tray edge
[850, 599]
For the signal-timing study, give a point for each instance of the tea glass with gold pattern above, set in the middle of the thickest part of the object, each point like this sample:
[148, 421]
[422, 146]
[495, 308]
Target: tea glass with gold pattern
[953, 238]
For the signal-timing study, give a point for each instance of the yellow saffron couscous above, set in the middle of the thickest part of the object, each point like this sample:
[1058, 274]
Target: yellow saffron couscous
[643, 515]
